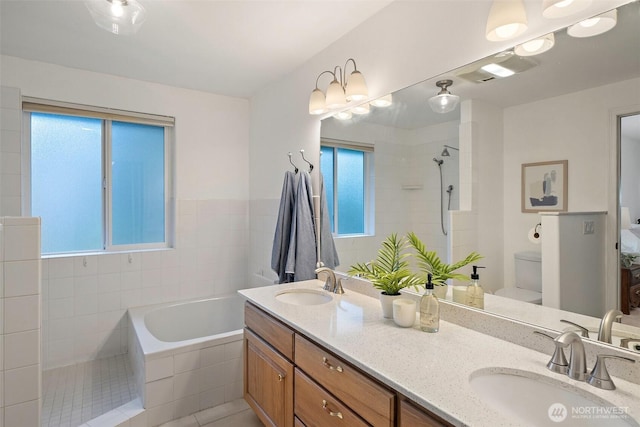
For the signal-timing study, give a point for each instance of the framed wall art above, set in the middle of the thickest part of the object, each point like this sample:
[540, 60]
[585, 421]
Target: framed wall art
[544, 186]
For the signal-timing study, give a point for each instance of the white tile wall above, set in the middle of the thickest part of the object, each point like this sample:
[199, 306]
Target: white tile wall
[20, 325]
[10, 149]
[87, 297]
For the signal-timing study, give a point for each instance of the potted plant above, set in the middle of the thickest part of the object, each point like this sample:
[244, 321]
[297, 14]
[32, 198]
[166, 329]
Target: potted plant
[429, 262]
[389, 272]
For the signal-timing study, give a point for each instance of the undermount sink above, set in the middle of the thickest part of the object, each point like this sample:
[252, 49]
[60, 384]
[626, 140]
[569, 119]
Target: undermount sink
[303, 297]
[535, 399]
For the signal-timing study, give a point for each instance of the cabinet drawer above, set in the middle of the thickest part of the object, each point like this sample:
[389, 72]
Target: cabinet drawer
[269, 329]
[315, 407]
[367, 398]
[413, 416]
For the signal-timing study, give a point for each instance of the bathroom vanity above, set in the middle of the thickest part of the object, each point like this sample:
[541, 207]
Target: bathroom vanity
[334, 360]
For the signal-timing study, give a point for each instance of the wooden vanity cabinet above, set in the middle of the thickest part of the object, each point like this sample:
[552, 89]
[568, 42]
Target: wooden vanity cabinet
[268, 368]
[290, 381]
[364, 396]
[410, 415]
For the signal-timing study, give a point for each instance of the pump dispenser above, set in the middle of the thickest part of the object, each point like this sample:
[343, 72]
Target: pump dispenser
[429, 309]
[475, 293]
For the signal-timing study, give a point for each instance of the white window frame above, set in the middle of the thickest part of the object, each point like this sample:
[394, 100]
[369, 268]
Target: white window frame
[369, 184]
[33, 105]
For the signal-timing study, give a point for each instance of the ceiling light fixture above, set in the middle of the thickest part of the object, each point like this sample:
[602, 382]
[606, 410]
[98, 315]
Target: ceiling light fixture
[120, 17]
[497, 70]
[594, 26]
[444, 101]
[536, 46]
[340, 91]
[343, 115]
[562, 8]
[383, 102]
[507, 19]
[361, 109]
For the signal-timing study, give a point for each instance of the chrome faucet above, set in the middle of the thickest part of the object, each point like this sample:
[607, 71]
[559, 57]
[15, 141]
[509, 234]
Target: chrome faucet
[577, 358]
[331, 284]
[584, 331]
[604, 333]
[558, 362]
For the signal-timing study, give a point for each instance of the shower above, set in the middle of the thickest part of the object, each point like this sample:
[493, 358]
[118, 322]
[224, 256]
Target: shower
[445, 152]
[439, 162]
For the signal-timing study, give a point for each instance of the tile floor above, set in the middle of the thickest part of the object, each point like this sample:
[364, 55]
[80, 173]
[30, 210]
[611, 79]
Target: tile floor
[232, 414]
[75, 394]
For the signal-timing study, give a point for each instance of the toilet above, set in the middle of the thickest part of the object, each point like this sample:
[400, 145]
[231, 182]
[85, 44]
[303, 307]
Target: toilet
[528, 288]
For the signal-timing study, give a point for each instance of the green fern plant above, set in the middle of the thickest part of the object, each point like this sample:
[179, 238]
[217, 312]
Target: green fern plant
[390, 271]
[429, 262]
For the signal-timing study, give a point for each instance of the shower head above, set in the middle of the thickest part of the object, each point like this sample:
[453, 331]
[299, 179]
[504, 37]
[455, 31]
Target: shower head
[445, 152]
[439, 162]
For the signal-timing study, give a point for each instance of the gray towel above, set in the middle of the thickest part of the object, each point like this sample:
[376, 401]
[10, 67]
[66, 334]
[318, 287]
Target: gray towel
[301, 260]
[282, 235]
[328, 253]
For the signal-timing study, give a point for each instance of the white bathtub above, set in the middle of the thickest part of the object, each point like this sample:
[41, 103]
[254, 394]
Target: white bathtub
[187, 356]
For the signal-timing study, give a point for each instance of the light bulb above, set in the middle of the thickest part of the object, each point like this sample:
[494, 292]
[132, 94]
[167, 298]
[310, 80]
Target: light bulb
[116, 8]
[507, 31]
[533, 45]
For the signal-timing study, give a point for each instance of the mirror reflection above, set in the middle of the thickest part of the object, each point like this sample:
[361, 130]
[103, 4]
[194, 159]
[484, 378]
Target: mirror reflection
[455, 178]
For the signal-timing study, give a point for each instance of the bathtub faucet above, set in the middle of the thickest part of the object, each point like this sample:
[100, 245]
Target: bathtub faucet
[331, 284]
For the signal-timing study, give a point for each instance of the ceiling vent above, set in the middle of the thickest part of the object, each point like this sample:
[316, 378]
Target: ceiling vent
[474, 72]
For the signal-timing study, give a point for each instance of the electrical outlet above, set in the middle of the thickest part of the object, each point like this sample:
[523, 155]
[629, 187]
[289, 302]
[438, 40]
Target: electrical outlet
[588, 227]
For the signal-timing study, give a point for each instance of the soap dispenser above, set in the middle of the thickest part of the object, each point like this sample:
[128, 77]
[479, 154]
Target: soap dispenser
[475, 293]
[429, 309]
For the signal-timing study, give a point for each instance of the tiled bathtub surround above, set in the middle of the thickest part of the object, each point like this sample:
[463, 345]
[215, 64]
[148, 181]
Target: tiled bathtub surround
[20, 364]
[173, 384]
[85, 298]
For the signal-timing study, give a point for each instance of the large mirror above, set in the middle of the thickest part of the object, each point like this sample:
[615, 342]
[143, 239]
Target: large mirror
[567, 103]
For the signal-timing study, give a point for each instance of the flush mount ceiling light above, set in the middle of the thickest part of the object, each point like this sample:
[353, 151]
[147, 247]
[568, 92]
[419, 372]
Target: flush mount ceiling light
[340, 91]
[361, 109]
[535, 46]
[444, 101]
[383, 102]
[121, 17]
[594, 26]
[507, 19]
[562, 8]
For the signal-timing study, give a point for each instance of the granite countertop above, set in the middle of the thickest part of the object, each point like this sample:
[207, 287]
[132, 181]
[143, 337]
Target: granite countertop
[431, 369]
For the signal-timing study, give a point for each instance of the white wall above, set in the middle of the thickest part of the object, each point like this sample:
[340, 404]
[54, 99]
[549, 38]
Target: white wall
[574, 127]
[85, 298]
[407, 42]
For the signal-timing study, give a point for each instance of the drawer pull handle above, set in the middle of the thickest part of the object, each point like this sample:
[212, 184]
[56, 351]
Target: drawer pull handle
[281, 377]
[328, 411]
[326, 363]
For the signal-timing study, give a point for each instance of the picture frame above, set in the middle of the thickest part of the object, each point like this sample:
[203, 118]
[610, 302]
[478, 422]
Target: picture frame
[545, 186]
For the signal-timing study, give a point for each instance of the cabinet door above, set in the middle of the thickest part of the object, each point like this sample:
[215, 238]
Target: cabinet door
[268, 382]
[412, 416]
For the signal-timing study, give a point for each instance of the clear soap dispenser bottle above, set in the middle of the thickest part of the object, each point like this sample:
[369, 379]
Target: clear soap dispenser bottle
[475, 293]
[429, 309]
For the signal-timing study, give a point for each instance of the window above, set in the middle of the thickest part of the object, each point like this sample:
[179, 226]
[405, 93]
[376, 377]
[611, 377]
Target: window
[99, 180]
[346, 169]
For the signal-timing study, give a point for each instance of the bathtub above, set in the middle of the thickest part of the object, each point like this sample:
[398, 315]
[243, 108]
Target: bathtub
[186, 356]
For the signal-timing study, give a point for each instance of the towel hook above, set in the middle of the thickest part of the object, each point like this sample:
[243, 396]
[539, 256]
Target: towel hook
[291, 161]
[310, 164]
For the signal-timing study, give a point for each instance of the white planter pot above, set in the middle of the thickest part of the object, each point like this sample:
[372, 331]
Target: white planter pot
[387, 304]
